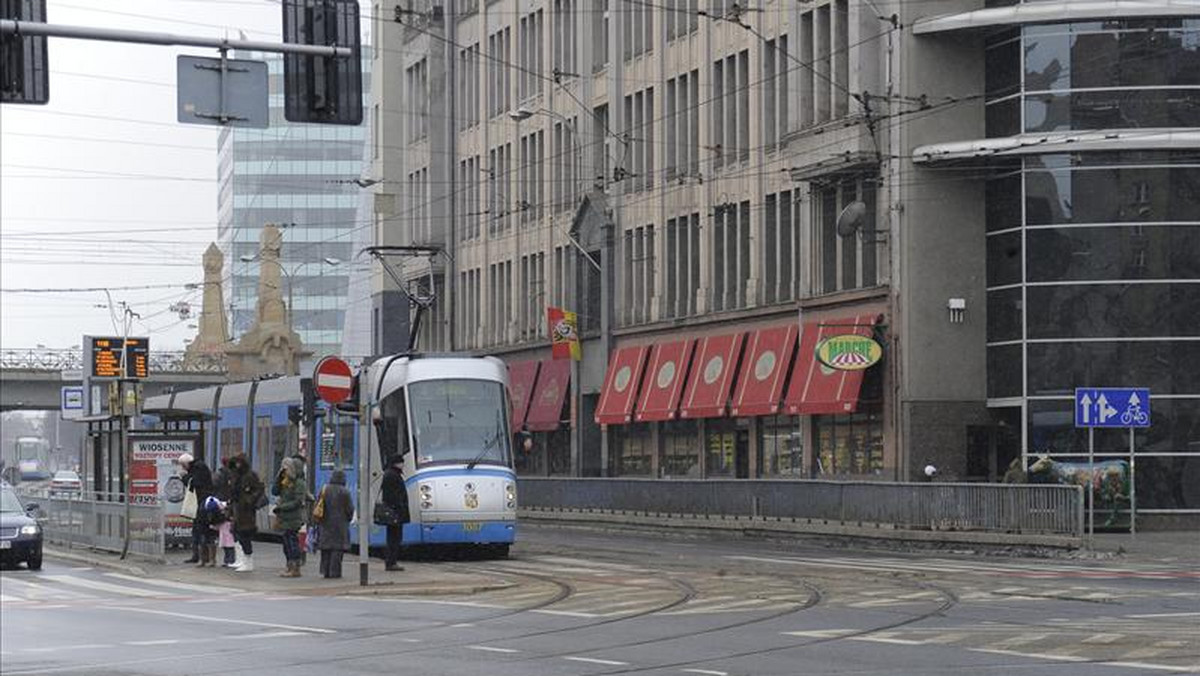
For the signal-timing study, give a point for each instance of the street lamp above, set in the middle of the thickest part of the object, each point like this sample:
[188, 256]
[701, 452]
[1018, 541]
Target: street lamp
[522, 113]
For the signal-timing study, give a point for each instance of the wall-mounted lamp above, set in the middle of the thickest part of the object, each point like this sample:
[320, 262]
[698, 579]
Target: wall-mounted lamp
[958, 310]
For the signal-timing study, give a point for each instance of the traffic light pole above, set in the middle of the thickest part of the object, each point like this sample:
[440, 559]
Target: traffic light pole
[38, 28]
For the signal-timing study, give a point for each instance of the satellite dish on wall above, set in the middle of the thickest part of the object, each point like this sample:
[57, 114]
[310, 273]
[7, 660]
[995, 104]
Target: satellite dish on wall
[851, 219]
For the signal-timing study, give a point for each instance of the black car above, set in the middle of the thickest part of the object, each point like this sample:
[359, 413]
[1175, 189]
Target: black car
[20, 534]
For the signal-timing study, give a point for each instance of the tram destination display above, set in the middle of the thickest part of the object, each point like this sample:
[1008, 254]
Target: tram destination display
[103, 357]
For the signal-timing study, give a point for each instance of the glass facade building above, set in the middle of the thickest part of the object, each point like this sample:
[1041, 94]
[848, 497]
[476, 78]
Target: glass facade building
[300, 177]
[1093, 257]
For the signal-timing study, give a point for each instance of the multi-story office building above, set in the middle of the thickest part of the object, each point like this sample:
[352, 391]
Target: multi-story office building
[300, 177]
[1006, 199]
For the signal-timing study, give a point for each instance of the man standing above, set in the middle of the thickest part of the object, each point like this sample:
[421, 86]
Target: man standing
[395, 500]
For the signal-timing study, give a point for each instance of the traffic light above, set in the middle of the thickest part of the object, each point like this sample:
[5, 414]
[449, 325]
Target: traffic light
[324, 89]
[24, 67]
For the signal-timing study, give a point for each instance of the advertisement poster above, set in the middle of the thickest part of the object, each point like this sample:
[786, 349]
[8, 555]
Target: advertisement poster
[156, 481]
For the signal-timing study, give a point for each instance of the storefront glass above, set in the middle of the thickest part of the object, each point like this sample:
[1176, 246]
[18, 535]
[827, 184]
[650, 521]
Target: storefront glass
[681, 450]
[781, 447]
[635, 450]
[720, 444]
[851, 445]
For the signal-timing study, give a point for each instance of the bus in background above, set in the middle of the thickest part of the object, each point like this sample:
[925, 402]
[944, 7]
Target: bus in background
[33, 458]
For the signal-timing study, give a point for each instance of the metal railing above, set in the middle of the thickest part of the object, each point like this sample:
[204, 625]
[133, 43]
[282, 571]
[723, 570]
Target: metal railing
[991, 508]
[75, 521]
[70, 359]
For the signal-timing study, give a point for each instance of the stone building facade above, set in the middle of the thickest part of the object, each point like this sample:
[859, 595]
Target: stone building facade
[707, 184]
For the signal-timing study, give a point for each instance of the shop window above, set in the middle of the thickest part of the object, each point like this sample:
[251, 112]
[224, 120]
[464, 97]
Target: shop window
[635, 451]
[781, 447]
[720, 445]
[852, 444]
[681, 450]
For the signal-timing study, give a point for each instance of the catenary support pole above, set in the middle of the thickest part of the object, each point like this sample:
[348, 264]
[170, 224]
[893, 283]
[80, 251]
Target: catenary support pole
[1091, 488]
[364, 492]
[1132, 488]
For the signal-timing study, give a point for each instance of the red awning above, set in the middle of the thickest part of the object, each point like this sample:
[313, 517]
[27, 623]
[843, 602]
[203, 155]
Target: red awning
[760, 385]
[521, 378]
[621, 386]
[708, 389]
[545, 408]
[665, 375]
[816, 388]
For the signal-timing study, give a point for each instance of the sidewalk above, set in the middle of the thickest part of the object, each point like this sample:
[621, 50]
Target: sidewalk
[417, 578]
[1175, 548]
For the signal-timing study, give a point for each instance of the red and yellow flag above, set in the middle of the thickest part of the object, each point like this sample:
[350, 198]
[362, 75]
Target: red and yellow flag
[564, 334]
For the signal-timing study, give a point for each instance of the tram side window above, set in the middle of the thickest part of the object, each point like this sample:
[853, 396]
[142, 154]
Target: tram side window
[231, 442]
[392, 427]
[280, 444]
[345, 445]
[262, 460]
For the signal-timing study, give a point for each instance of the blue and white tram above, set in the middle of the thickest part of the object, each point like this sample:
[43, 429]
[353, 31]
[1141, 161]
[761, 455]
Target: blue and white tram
[446, 416]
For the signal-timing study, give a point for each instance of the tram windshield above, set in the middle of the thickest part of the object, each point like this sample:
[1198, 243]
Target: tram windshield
[459, 421]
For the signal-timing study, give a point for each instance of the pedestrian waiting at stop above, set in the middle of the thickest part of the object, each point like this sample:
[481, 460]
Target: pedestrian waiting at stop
[198, 479]
[249, 496]
[223, 521]
[289, 511]
[332, 513]
[392, 510]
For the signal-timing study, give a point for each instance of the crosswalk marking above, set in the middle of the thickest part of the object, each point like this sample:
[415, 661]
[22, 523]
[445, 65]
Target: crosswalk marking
[1103, 639]
[171, 584]
[490, 649]
[101, 586]
[593, 660]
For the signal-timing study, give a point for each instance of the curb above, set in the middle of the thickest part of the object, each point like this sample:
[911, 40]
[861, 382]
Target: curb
[93, 560]
[760, 526]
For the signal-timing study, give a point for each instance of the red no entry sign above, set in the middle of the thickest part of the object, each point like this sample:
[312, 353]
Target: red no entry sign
[334, 380]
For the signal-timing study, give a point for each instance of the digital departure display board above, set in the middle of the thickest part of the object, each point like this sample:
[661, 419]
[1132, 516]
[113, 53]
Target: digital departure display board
[104, 357]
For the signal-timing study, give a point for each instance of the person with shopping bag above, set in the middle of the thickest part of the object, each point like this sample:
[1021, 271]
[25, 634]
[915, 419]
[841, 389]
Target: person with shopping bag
[199, 483]
[332, 515]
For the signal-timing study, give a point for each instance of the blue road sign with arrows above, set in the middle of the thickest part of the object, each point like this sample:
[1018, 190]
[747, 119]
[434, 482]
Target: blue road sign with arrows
[1112, 407]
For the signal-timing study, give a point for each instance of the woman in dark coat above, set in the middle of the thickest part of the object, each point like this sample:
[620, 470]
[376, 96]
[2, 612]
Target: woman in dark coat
[198, 478]
[334, 537]
[249, 495]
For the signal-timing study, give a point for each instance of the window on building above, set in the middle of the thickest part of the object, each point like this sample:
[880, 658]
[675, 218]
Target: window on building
[600, 167]
[682, 18]
[731, 108]
[638, 23]
[600, 23]
[681, 450]
[824, 41]
[566, 42]
[683, 275]
[781, 447]
[500, 72]
[639, 274]
[530, 32]
[417, 82]
[731, 255]
[852, 444]
[566, 161]
[846, 262]
[775, 108]
[781, 246]
[635, 450]
[532, 298]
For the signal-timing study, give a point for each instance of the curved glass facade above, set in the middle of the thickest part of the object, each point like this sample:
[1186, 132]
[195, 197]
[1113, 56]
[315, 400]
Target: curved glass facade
[1094, 280]
[1112, 74]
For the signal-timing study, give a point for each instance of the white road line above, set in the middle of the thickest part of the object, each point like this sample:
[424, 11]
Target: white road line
[565, 613]
[1038, 656]
[102, 586]
[709, 672]
[1158, 667]
[163, 641]
[1157, 615]
[460, 625]
[223, 620]
[490, 649]
[708, 607]
[269, 634]
[1020, 639]
[592, 660]
[42, 591]
[819, 633]
[4, 598]
[1103, 639]
[204, 589]
[84, 646]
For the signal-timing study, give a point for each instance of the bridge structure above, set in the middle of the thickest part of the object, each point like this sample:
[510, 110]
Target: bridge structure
[31, 379]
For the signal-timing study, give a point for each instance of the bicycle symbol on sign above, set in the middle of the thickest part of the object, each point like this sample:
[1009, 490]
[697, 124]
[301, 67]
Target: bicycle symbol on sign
[1134, 414]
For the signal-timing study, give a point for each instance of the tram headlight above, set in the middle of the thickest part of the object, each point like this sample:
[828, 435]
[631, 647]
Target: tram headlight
[510, 495]
[426, 494]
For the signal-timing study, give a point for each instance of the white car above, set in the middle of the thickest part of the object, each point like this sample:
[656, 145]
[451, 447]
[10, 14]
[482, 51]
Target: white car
[66, 482]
